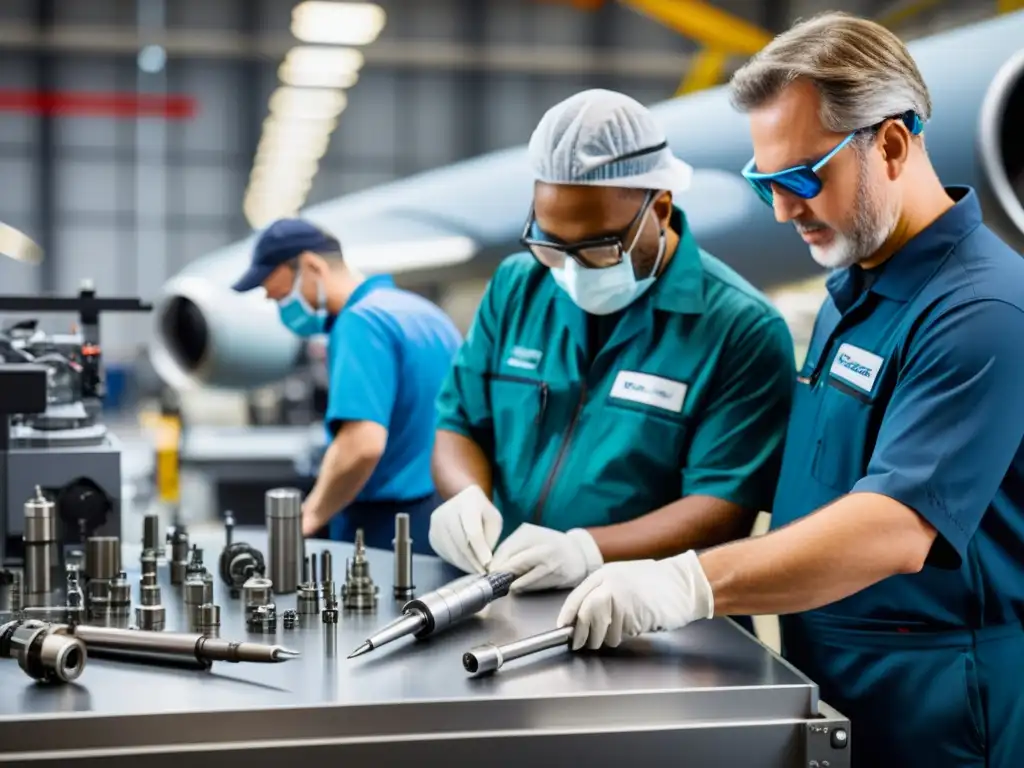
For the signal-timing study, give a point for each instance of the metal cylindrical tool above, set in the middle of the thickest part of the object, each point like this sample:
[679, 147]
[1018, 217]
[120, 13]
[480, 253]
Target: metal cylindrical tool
[209, 620]
[178, 539]
[44, 651]
[359, 593]
[193, 596]
[102, 558]
[151, 534]
[102, 564]
[403, 587]
[41, 558]
[440, 609]
[263, 619]
[151, 615]
[256, 592]
[74, 599]
[489, 657]
[284, 537]
[10, 591]
[189, 650]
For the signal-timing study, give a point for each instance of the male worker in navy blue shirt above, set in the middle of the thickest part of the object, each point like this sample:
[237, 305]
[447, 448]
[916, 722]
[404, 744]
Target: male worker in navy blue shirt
[387, 354]
[897, 556]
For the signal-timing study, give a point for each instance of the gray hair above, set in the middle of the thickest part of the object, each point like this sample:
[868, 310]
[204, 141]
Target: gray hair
[863, 72]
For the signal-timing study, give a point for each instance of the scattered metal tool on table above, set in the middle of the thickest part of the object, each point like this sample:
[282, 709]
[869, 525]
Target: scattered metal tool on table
[440, 609]
[359, 593]
[489, 657]
[403, 587]
[46, 652]
[239, 561]
[195, 651]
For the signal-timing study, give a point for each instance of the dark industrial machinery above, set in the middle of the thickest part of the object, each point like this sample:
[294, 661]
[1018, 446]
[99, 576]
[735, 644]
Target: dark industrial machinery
[62, 446]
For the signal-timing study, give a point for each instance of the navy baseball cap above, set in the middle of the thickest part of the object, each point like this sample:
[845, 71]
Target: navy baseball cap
[278, 244]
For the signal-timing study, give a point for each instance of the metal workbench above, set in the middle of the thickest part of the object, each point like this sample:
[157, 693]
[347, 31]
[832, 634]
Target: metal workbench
[708, 695]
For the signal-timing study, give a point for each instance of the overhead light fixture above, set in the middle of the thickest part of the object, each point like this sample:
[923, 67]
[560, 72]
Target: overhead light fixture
[307, 103]
[309, 67]
[277, 145]
[337, 23]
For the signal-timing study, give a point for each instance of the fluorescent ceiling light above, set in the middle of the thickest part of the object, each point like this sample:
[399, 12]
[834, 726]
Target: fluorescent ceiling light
[307, 103]
[272, 146]
[283, 167]
[310, 67]
[280, 128]
[337, 23]
[409, 255]
[315, 79]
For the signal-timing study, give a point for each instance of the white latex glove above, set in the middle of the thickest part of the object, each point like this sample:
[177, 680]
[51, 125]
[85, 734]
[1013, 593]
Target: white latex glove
[547, 559]
[465, 529]
[630, 598]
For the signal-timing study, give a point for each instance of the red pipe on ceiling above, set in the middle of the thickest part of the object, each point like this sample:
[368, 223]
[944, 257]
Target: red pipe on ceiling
[85, 104]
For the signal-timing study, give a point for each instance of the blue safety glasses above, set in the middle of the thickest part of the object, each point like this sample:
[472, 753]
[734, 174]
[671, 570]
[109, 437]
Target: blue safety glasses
[803, 180]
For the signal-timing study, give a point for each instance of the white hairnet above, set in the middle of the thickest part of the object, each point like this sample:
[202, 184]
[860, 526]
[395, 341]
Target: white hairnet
[605, 139]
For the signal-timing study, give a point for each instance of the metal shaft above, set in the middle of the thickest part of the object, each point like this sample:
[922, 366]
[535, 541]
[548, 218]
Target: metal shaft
[403, 587]
[179, 649]
[151, 533]
[490, 657]
[284, 537]
[441, 608]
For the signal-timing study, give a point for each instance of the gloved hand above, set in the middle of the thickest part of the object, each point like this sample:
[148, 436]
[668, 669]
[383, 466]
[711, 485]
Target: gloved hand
[465, 529]
[547, 559]
[626, 599]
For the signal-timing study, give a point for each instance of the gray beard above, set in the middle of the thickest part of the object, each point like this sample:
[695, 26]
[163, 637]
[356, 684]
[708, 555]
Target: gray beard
[871, 226]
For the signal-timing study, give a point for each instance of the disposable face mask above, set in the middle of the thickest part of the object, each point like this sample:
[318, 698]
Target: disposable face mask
[608, 290]
[300, 318]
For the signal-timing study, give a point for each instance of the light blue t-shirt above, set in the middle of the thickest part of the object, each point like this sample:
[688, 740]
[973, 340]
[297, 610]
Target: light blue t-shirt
[388, 352]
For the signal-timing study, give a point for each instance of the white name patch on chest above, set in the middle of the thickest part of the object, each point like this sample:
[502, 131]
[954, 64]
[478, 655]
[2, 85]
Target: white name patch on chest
[649, 390]
[856, 366]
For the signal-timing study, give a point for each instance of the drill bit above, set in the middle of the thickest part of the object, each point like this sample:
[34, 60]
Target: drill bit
[440, 609]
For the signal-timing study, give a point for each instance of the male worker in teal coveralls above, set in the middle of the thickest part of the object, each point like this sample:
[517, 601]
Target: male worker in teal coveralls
[897, 559]
[622, 394]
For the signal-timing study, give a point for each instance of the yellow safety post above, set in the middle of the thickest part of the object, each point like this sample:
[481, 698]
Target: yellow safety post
[168, 444]
[710, 26]
[1009, 6]
[705, 71]
[166, 431]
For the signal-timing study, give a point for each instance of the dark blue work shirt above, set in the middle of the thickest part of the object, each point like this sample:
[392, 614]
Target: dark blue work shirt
[387, 354]
[913, 388]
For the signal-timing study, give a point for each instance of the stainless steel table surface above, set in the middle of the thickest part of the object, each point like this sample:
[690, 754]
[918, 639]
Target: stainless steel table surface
[710, 689]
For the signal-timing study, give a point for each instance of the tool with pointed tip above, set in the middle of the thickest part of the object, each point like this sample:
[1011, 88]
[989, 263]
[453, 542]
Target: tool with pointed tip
[195, 651]
[441, 608]
[359, 593]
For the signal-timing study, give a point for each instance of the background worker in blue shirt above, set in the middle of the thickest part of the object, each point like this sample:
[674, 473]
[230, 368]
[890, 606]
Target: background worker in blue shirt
[388, 351]
[897, 559]
[622, 393]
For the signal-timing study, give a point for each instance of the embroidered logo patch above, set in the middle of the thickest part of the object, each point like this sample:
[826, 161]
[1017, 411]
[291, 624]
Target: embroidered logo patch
[525, 358]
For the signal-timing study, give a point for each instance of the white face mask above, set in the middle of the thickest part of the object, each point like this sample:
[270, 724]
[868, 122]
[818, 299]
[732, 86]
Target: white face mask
[608, 290]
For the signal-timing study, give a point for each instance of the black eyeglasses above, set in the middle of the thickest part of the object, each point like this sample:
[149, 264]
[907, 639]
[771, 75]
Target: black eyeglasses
[594, 253]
